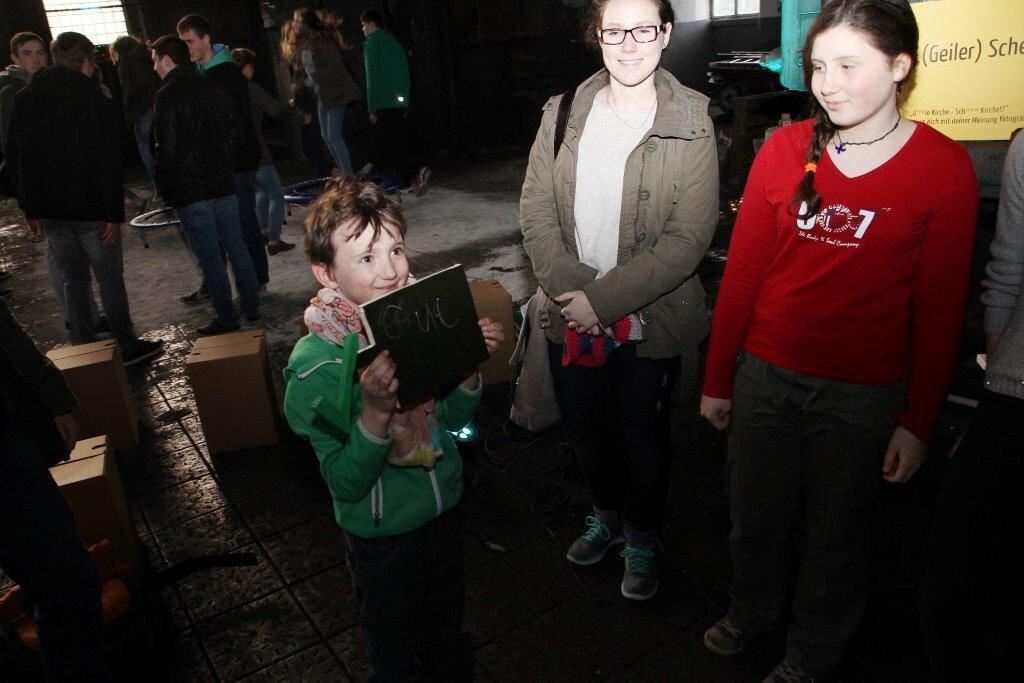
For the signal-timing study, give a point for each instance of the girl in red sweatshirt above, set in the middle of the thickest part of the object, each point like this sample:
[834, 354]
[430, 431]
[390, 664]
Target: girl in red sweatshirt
[836, 328]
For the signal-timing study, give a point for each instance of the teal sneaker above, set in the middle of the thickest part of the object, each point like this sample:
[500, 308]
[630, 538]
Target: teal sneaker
[594, 543]
[639, 581]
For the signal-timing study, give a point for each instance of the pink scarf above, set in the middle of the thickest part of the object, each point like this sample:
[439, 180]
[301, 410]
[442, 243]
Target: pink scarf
[414, 432]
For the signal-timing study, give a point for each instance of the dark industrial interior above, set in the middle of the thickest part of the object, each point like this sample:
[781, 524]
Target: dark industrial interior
[241, 572]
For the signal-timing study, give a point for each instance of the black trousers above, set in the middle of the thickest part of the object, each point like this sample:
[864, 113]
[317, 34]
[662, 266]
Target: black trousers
[973, 595]
[792, 438]
[396, 147]
[616, 418]
[411, 596]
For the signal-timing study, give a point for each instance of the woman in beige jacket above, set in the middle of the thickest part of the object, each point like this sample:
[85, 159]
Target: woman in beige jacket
[615, 222]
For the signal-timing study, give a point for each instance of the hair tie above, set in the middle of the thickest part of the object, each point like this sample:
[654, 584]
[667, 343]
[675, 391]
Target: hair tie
[810, 167]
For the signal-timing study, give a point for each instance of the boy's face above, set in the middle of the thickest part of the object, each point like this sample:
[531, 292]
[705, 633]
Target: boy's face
[199, 47]
[363, 270]
[30, 56]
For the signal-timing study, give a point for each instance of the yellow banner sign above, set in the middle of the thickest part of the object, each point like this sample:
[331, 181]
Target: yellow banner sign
[970, 73]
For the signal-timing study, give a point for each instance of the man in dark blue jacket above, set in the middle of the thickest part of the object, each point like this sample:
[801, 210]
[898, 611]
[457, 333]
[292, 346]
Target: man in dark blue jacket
[215, 63]
[64, 156]
[196, 131]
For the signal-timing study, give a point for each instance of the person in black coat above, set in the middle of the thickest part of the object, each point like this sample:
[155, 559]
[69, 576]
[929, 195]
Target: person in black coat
[39, 547]
[196, 130]
[138, 88]
[64, 156]
[215, 63]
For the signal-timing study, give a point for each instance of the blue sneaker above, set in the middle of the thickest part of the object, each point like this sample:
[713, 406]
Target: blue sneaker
[594, 543]
[639, 581]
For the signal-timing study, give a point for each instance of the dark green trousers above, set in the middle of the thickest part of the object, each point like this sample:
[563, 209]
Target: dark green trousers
[810, 447]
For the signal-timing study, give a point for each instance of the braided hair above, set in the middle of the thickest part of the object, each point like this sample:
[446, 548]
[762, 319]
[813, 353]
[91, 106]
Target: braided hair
[891, 28]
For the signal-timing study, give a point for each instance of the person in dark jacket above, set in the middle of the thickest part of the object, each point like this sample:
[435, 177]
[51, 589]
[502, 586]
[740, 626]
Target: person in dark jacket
[39, 547]
[215, 63]
[196, 130]
[138, 87]
[64, 155]
[320, 54]
[270, 198]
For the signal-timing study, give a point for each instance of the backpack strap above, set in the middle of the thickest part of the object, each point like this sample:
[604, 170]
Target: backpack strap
[562, 117]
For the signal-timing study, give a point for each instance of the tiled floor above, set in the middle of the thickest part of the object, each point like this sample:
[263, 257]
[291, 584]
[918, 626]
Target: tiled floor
[532, 615]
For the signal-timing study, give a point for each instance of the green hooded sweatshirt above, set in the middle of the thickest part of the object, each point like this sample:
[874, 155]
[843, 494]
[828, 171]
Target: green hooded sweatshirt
[371, 497]
[387, 72]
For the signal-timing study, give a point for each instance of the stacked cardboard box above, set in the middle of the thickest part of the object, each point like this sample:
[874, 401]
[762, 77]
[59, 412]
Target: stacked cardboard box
[96, 376]
[492, 301]
[230, 375]
[91, 484]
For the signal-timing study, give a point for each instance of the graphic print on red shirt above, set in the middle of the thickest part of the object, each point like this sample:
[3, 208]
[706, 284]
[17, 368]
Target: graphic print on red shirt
[870, 290]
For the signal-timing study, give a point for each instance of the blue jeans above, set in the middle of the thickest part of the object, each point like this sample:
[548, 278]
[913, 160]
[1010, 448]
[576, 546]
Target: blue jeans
[411, 597]
[42, 552]
[332, 127]
[269, 201]
[57, 280]
[76, 247]
[143, 130]
[210, 225]
[246, 185]
[616, 418]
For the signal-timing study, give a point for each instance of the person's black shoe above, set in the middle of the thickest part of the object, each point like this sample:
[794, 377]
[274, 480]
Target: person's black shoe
[275, 248]
[254, 318]
[196, 297]
[141, 350]
[217, 327]
[102, 329]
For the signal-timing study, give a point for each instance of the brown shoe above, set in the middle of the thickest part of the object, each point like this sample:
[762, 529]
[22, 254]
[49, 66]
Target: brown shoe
[280, 246]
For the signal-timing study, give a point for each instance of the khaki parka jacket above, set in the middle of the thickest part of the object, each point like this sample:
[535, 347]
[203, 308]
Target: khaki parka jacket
[668, 216]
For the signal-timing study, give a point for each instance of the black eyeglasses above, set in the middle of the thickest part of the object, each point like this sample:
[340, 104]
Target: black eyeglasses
[641, 34]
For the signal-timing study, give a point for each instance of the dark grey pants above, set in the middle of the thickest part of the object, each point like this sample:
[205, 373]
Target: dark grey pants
[77, 247]
[798, 439]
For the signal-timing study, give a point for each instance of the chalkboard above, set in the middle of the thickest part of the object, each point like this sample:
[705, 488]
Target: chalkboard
[430, 328]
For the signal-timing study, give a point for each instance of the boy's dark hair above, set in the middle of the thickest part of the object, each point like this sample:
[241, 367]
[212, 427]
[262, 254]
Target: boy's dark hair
[171, 46]
[19, 39]
[70, 49]
[124, 45]
[243, 56]
[372, 16]
[195, 22]
[354, 204]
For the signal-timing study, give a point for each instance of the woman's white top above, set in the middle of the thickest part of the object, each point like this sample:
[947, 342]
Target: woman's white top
[608, 138]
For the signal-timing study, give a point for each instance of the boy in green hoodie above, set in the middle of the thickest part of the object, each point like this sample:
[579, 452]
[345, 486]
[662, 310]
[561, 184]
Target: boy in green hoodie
[393, 472]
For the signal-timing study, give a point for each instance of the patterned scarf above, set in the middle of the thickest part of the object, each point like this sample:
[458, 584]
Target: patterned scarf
[592, 352]
[415, 437]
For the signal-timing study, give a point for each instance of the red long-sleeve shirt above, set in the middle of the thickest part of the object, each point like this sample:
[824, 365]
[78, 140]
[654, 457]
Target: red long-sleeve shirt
[871, 290]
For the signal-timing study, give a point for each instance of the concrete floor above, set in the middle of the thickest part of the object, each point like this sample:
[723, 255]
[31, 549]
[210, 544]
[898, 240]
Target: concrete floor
[532, 615]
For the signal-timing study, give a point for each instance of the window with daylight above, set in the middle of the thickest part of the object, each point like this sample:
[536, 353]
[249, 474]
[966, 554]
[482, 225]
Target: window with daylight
[101, 21]
[723, 9]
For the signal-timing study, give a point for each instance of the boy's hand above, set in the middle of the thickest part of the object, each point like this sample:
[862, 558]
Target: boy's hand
[493, 335]
[380, 390]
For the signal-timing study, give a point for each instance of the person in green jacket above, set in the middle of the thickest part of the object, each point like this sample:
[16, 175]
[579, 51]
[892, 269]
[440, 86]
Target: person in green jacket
[387, 100]
[393, 472]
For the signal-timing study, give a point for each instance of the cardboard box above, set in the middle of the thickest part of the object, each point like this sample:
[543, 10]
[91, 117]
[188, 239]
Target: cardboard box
[95, 374]
[492, 301]
[91, 485]
[230, 375]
